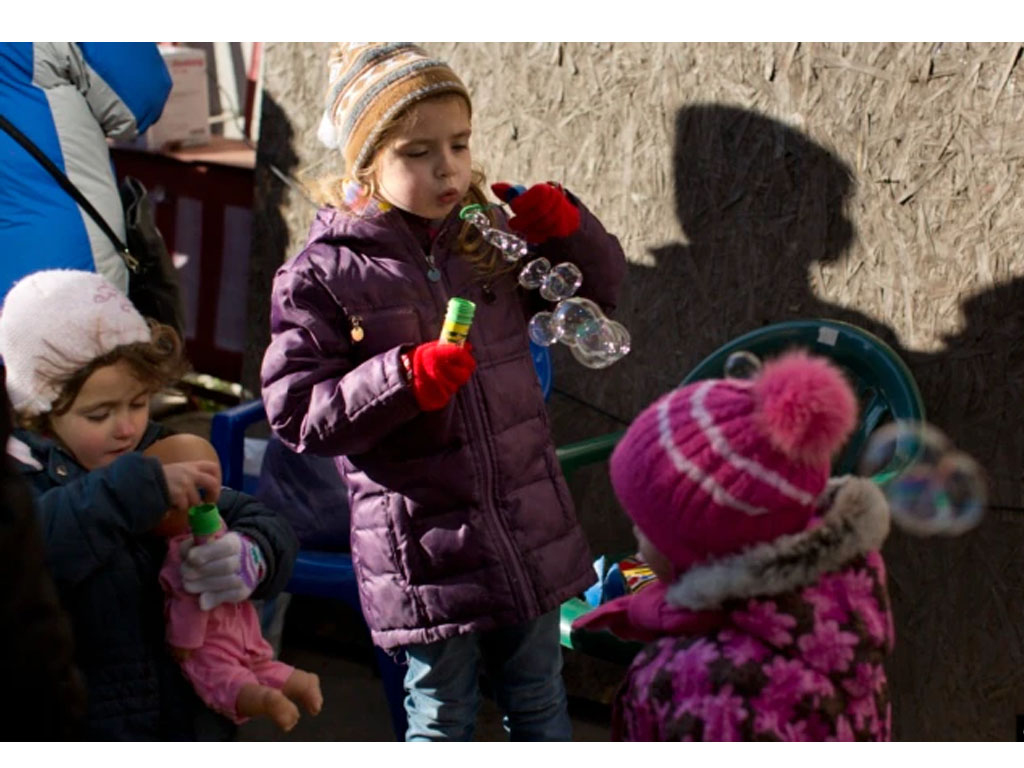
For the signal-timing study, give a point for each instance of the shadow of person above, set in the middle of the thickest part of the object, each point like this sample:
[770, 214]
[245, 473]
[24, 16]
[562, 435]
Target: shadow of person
[957, 668]
[973, 386]
[762, 205]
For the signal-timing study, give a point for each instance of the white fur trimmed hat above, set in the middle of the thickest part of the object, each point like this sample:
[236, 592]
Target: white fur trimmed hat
[57, 318]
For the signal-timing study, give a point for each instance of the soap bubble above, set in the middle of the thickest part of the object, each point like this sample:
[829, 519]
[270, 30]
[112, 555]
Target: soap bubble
[512, 248]
[593, 359]
[578, 323]
[561, 282]
[623, 342]
[607, 339]
[946, 499]
[742, 365]
[932, 488]
[597, 338]
[573, 316]
[894, 447]
[533, 273]
[541, 329]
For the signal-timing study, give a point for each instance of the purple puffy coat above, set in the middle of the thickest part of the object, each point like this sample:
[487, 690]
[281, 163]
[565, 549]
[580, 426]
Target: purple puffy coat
[461, 519]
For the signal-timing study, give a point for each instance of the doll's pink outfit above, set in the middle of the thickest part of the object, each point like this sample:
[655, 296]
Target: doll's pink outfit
[227, 648]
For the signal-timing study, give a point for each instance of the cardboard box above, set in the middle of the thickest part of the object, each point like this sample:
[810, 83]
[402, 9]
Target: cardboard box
[185, 121]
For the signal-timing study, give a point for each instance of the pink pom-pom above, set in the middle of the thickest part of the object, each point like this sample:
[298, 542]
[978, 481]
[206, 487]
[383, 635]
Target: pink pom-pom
[804, 406]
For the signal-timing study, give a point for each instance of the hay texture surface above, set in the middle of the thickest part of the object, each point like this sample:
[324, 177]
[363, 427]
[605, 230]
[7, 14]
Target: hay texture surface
[878, 184]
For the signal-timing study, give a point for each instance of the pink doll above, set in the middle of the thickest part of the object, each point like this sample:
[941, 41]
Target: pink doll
[218, 642]
[770, 618]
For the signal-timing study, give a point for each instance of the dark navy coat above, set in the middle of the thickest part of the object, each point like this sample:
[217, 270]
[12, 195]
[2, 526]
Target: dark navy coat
[104, 561]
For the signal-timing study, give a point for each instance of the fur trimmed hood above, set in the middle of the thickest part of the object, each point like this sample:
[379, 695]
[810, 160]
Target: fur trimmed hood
[856, 522]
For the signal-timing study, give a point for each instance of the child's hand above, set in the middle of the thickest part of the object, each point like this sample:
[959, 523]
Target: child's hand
[225, 570]
[438, 370]
[542, 211]
[186, 478]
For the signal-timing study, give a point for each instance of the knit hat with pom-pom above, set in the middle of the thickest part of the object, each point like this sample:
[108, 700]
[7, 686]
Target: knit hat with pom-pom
[722, 464]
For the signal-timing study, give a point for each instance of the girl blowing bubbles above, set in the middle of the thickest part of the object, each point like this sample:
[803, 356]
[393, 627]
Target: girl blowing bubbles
[81, 367]
[463, 535]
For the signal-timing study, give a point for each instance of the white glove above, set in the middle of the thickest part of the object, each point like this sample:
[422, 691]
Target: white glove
[224, 570]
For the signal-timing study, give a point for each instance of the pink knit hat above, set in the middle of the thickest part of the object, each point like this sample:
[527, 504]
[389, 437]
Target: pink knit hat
[722, 464]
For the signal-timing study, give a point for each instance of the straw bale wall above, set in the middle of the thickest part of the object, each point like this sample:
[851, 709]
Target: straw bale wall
[749, 184]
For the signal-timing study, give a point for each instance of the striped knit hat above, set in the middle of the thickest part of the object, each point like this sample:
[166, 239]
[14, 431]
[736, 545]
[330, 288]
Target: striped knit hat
[722, 464]
[369, 84]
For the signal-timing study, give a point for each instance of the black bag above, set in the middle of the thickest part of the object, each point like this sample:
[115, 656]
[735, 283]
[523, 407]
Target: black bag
[152, 282]
[153, 286]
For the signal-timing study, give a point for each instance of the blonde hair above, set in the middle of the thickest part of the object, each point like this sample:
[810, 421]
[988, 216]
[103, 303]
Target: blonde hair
[485, 258]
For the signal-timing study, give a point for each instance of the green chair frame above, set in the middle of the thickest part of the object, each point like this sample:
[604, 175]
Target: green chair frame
[885, 388]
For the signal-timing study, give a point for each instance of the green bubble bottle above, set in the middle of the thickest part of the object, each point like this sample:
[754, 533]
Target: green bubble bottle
[457, 321]
[205, 522]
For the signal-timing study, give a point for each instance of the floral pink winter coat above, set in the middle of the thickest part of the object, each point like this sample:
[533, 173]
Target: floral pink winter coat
[804, 662]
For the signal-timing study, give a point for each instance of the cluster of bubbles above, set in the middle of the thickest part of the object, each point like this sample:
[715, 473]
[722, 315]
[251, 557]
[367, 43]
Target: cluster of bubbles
[933, 489]
[594, 340]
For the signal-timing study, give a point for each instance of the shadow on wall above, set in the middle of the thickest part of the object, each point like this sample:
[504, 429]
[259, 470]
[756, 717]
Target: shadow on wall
[958, 669]
[270, 235]
[974, 387]
[762, 205]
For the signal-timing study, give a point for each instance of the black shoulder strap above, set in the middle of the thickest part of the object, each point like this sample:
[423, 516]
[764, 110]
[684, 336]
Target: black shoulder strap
[70, 188]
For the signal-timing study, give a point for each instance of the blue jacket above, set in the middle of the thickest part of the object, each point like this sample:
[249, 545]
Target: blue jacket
[105, 563]
[68, 98]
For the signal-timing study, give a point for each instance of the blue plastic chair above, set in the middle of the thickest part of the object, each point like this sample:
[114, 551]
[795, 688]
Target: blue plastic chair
[884, 385]
[328, 574]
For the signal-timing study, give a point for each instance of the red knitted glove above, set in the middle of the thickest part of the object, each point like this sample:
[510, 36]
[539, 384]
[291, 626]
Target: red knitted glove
[541, 212]
[438, 370]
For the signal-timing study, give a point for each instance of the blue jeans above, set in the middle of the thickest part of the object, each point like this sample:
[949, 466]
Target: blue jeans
[524, 663]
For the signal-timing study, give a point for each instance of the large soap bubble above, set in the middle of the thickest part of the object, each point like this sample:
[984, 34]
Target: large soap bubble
[932, 488]
[561, 282]
[541, 329]
[532, 275]
[575, 317]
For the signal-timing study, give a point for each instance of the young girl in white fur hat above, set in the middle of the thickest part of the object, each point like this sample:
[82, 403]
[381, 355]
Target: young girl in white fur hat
[81, 365]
